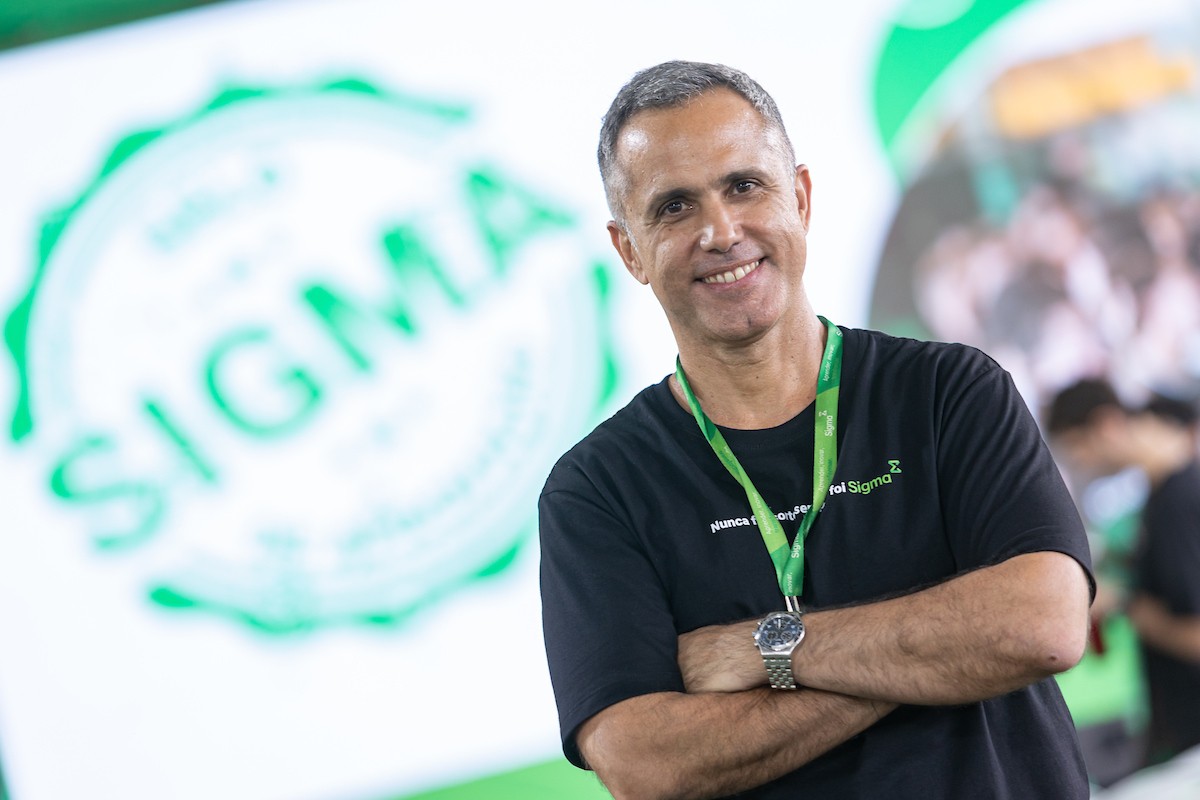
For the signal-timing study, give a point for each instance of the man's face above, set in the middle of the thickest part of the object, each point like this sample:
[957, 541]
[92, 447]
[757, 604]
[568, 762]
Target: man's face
[715, 217]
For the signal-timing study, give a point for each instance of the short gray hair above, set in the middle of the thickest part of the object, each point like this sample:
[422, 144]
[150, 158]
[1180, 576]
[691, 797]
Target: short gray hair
[669, 85]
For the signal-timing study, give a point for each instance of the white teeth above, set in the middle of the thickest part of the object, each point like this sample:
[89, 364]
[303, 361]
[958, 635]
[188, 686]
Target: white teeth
[733, 275]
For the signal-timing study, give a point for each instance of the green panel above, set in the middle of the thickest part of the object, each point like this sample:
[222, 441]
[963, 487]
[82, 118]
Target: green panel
[25, 22]
[553, 780]
[913, 58]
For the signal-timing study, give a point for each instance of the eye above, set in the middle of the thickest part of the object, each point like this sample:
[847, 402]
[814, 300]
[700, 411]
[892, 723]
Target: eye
[743, 186]
[672, 207]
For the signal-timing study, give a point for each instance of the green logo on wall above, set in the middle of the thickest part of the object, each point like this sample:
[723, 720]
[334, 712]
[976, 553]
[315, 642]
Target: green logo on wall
[305, 356]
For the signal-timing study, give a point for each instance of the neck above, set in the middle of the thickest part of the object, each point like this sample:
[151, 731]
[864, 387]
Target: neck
[759, 384]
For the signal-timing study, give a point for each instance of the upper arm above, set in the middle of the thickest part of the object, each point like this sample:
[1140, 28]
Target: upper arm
[606, 619]
[1051, 591]
[1001, 492]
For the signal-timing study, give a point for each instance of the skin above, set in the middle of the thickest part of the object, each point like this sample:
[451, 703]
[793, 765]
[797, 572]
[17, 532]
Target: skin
[923, 648]
[706, 190]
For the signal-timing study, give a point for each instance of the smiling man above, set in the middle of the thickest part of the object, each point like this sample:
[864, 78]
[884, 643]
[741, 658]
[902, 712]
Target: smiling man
[723, 616]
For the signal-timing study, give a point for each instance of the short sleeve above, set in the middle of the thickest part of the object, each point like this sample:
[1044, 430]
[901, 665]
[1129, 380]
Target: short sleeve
[609, 631]
[1002, 493]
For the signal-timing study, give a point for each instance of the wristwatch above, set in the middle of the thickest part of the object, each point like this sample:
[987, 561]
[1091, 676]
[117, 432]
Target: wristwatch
[778, 635]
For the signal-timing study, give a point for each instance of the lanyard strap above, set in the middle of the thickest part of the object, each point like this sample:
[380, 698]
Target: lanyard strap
[789, 562]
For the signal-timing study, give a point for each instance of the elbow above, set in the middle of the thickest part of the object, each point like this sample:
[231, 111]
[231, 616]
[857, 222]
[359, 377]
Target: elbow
[1041, 653]
[621, 790]
[1058, 641]
[630, 775]
[634, 779]
[1062, 652]
[628, 768]
[1056, 621]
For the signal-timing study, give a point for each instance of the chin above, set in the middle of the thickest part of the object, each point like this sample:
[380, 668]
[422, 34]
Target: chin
[747, 332]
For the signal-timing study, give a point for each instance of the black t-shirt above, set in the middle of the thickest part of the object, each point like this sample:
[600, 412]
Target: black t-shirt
[941, 470]
[1168, 567]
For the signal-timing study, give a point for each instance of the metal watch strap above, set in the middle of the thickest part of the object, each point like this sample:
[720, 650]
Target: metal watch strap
[779, 670]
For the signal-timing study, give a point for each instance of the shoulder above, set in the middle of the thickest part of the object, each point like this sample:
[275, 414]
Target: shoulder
[877, 345]
[873, 354]
[614, 443]
[888, 377]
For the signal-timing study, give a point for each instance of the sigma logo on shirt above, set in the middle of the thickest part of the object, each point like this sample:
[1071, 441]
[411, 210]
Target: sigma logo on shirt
[855, 487]
[304, 357]
[871, 484]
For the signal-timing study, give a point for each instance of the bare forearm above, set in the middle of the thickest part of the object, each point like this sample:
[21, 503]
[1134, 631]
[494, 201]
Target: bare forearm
[695, 746]
[973, 637]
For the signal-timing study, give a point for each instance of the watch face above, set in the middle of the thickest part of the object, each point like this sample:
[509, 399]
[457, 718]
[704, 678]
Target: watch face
[779, 631]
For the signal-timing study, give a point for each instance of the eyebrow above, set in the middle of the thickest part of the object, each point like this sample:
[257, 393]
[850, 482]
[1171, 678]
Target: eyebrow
[659, 198]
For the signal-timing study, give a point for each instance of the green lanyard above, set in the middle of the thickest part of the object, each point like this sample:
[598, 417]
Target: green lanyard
[789, 562]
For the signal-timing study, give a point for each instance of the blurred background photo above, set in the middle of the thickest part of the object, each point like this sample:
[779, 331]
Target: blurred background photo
[301, 299]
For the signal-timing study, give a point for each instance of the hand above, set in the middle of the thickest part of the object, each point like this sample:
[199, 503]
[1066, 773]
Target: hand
[721, 658]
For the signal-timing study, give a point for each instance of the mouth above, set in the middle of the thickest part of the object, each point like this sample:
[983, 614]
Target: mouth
[733, 275]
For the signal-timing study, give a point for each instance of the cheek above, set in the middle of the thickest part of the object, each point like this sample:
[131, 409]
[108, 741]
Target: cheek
[670, 261]
[777, 219]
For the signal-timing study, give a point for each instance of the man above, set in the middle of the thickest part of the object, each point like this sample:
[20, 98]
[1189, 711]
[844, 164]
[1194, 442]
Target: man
[1097, 434]
[945, 578]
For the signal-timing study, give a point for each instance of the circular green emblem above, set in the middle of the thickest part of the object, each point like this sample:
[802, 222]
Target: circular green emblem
[306, 356]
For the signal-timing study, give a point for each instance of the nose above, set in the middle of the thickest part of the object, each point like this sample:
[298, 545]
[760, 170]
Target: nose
[722, 229]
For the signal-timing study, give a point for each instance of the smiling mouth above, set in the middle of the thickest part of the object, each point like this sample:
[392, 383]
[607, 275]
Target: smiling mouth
[733, 275]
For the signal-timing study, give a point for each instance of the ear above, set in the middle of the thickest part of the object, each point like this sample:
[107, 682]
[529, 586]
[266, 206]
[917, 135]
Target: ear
[624, 247]
[804, 193]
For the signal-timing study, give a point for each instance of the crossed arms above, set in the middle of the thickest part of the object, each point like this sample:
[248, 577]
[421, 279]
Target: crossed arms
[975, 636]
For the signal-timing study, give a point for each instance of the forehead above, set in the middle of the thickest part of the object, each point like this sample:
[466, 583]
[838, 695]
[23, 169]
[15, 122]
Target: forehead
[714, 133]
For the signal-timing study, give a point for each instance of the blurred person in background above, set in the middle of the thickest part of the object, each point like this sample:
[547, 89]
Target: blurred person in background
[1096, 434]
[1167, 341]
